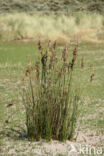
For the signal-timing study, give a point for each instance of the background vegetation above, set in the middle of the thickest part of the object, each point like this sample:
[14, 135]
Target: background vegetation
[52, 6]
[81, 26]
[61, 20]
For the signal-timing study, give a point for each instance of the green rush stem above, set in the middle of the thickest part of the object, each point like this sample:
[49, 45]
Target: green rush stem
[32, 93]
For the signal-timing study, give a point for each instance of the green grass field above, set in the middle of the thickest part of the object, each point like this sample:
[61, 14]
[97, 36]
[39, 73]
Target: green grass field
[90, 126]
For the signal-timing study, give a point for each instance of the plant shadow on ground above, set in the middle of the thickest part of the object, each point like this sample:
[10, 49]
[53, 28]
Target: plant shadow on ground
[17, 133]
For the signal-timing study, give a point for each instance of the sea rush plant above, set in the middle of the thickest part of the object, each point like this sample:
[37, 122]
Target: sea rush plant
[50, 101]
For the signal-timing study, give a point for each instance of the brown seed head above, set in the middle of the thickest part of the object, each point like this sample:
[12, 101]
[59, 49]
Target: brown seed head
[51, 62]
[44, 59]
[39, 46]
[27, 72]
[54, 45]
[82, 62]
[92, 77]
[60, 72]
[37, 68]
[74, 57]
[64, 54]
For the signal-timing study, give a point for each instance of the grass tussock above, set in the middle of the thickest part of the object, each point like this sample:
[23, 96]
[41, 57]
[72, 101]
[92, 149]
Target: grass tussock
[51, 102]
[84, 26]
